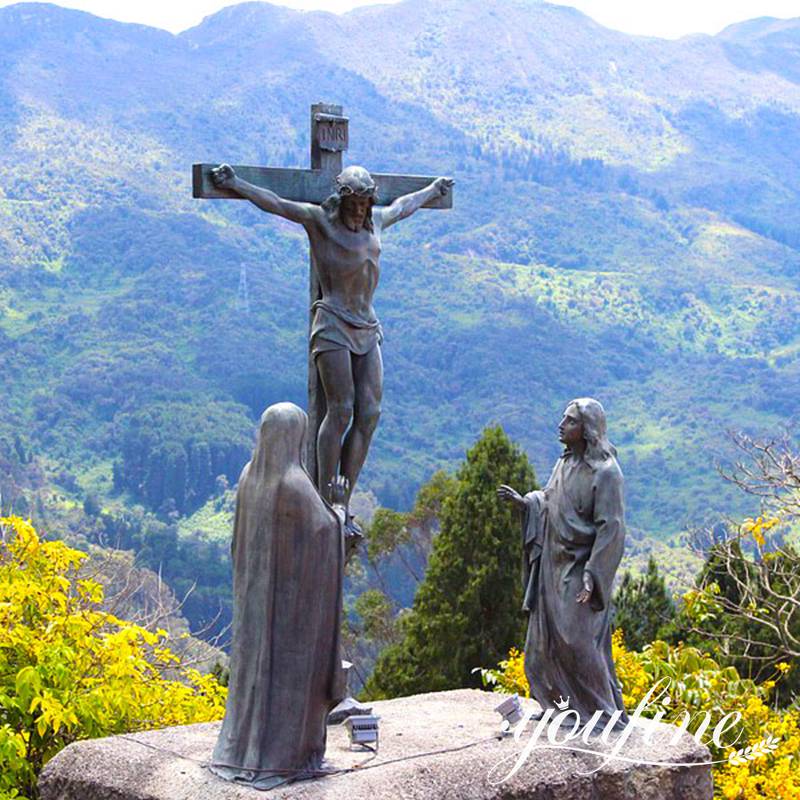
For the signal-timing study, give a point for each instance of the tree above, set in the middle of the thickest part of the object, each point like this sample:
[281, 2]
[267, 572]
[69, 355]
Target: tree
[399, 543]
[747, 596]
[69, 670]
[466, 611]
[644, 608]
[173, 453]
[398, 547]
[748, 606]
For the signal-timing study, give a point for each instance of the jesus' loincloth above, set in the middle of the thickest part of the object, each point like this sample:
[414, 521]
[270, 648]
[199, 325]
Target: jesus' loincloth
[335, 328]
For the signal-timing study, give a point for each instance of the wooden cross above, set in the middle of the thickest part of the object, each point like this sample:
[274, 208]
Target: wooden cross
[329, 139]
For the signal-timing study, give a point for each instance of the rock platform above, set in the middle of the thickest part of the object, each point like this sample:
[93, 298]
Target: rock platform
[439, 746]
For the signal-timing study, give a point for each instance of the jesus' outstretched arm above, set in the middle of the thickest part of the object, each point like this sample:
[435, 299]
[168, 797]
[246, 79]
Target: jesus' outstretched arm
[224, 177]
[406, 205]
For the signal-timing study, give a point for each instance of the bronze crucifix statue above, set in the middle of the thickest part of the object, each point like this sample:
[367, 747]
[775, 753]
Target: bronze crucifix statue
[344, 213]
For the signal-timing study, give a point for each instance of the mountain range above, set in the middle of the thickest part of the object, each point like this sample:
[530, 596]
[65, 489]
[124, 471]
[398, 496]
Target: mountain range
[626, 225]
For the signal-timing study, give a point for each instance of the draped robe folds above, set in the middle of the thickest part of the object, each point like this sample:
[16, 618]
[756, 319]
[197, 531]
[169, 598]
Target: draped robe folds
[574, 525]
[288, 562]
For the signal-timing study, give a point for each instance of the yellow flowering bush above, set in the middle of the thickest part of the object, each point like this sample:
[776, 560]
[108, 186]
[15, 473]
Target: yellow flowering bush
[774, 776]
[632, 675]
[509, 677]
[69, 670]
[698, 684]
[758, 527]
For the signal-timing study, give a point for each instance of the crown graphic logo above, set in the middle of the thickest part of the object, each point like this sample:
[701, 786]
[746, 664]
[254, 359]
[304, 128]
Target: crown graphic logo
[561, 703]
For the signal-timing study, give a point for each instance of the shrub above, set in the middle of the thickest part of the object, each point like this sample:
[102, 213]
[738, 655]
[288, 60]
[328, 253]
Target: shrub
[69, 670]
[697, 684]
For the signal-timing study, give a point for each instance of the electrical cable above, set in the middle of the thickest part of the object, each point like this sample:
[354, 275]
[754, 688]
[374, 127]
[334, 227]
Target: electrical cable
[314, 773]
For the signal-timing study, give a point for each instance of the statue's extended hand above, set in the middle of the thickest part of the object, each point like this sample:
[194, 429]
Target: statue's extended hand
[588, 587]
[444, 185]
[223, 176]
[511, 495]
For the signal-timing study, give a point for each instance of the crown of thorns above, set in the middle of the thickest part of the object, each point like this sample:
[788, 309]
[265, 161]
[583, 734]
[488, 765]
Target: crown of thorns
[366, 191]
[358, 183]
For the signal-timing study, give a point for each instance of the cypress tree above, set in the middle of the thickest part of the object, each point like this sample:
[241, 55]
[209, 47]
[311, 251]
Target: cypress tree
[467, 610]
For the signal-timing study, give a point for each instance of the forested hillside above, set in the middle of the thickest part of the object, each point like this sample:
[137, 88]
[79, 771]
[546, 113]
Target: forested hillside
[625, 225]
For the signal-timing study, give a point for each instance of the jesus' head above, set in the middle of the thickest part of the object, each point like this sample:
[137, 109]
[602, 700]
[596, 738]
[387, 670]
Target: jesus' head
[354, 198]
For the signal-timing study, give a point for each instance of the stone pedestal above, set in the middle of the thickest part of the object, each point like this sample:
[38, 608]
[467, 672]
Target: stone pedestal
[168, 764]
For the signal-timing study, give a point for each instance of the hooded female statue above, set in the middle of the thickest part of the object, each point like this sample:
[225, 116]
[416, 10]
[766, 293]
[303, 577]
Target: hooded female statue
[288, 562]
[573, 539]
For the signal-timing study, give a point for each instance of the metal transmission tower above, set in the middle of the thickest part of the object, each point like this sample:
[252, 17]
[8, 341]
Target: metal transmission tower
[243, 298]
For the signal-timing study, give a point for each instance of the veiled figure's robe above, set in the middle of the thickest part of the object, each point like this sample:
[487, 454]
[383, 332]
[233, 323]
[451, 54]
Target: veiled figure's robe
[288, 562]
[574, 524]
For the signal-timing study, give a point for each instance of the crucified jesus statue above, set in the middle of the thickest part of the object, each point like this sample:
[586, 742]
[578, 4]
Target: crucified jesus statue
[344, 234]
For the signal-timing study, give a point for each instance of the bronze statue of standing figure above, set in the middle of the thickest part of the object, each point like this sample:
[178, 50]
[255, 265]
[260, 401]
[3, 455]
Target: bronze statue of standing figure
[573, 540]
[344, 233]
[288, 555]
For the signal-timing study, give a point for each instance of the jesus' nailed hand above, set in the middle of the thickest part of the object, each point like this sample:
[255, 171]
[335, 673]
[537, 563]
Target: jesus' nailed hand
[345, 237]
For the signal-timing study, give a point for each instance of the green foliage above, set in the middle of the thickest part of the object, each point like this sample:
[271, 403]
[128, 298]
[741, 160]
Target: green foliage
[377, 614]
[174, 453]
[69, 670]
[602, 240]
[407, 536]
[750, 602]
[687, 686]
[196, 569]
[385, 582]
[697, 684]
[387, 531]
[399, 543]
[644, 609]
[584, 214]
[467, 609]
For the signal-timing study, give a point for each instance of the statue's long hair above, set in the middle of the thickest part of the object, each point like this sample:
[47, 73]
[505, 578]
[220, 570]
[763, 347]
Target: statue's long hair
[332, 206]
[595, 432]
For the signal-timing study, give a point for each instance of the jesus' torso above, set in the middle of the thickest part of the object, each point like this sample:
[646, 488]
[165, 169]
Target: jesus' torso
[347, 264]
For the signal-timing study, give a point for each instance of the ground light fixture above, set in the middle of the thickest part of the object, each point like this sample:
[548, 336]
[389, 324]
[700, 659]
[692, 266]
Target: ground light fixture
[511, 712]
[363, 731]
